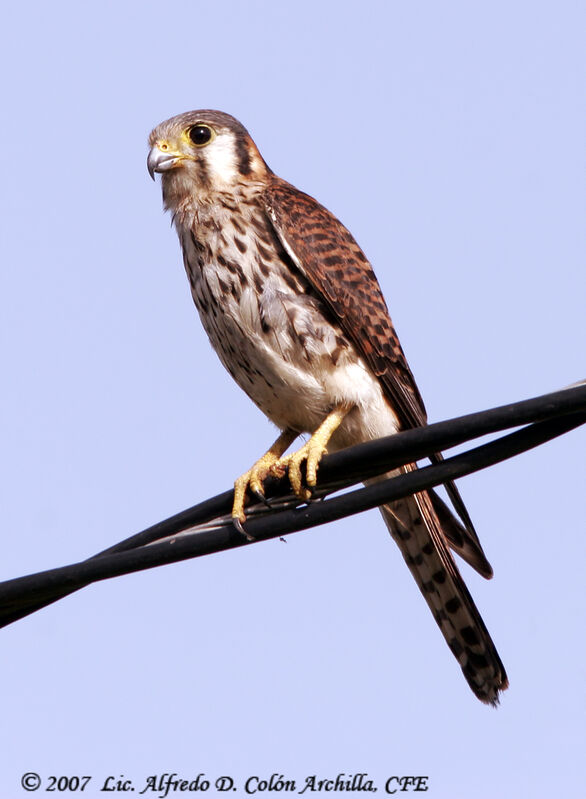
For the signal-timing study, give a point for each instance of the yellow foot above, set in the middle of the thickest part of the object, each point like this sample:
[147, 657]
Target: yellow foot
[311, 452]
[253, 479]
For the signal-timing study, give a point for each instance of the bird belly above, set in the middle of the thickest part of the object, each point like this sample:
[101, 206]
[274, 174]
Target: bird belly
[281, 345]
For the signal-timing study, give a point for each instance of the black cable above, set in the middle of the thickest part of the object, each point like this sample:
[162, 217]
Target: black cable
[549, 416]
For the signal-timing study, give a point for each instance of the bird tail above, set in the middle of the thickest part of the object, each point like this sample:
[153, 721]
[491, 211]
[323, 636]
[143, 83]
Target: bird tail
[414, 523]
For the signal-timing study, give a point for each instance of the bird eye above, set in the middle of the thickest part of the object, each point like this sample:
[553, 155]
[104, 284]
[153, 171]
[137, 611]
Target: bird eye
[200, 135]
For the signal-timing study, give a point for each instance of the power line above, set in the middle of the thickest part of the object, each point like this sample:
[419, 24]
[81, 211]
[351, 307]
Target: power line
[207, 527]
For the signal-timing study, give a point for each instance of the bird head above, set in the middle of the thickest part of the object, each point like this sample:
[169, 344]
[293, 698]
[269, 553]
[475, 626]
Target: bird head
[203, 152]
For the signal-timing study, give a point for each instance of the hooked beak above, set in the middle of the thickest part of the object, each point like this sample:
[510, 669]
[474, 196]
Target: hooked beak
[159, 161]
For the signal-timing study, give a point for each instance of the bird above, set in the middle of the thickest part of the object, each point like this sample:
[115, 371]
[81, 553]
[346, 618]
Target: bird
[293, 309]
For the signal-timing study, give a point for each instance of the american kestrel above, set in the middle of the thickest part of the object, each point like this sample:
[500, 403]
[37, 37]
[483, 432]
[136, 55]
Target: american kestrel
[294, 310]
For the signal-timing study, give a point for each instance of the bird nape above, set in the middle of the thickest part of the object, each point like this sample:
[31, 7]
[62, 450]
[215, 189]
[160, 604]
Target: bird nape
[293, 309]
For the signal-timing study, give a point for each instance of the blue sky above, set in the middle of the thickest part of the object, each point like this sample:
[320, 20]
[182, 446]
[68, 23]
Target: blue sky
[449, 138]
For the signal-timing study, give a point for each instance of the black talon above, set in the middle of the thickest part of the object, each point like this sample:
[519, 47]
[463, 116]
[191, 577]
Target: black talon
[261, 497]
[238, 525]
[312, 490]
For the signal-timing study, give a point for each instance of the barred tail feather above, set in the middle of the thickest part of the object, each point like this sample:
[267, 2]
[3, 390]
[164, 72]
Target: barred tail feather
[414, 525]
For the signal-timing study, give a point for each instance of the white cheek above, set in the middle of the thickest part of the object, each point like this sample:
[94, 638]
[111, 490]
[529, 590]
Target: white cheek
[222, 160]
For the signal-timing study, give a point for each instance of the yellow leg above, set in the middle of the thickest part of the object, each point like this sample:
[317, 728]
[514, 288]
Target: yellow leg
[311, 452]
[254, 477]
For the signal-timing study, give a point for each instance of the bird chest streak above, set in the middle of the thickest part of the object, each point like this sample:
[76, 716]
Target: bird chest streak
[271, 333]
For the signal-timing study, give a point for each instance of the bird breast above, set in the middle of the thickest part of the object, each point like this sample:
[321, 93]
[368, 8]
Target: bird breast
[271, 331]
